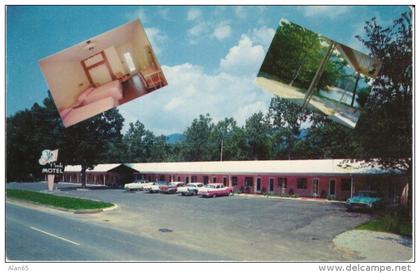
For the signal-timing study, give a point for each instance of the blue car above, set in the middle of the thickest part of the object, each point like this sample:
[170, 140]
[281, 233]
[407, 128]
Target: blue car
[364, 200]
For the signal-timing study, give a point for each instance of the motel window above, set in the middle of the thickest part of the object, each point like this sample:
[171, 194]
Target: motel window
[345, 184]
[129, 62]
[249, 181]
[234, 180]
[302, 183]
[282, 182]
[193, 178]
[187, 179]
[205, 180]
[214, 179]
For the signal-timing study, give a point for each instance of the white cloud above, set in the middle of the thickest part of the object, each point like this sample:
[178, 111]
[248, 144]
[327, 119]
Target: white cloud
[156, 38]
[138, 14]
[197, 29]
[191, 92]
[243, 113]
[324, 11]
[263, 36]
[222, 31]
[243, 58]
[193, 14]
[173, 104]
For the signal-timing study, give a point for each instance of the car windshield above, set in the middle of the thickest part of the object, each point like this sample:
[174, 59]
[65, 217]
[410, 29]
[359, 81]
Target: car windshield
[365, 194]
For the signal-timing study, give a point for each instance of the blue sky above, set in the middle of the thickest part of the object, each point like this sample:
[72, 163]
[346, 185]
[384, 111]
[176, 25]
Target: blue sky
[210, 55]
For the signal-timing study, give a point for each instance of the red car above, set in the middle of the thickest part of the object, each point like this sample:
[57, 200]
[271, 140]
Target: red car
[171, 187]
[215, 189]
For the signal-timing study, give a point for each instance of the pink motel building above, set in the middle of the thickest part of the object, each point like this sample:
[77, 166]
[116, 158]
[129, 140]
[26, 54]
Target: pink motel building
[321, 178]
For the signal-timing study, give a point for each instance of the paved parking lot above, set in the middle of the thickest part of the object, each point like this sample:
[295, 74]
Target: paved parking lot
[237, 227]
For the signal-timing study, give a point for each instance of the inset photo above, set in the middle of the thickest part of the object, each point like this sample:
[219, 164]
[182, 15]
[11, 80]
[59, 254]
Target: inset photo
[102, 72]
[317, 72]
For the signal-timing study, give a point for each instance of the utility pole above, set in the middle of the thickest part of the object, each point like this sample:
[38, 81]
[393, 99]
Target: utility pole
[221, 151]
[318, 74]
[354, 89]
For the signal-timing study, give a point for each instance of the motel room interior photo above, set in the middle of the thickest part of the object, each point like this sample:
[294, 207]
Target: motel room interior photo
[102, 72]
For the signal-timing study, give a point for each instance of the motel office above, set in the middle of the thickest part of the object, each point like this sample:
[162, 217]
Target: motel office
[325, 178]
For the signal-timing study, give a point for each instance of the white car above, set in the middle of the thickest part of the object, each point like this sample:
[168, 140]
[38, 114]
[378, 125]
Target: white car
[215, 189]
[156, 186]
[137, 186]
[190, 189]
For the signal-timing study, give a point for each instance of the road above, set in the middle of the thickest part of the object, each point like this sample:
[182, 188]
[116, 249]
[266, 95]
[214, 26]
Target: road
[33, 235]
[227, 228]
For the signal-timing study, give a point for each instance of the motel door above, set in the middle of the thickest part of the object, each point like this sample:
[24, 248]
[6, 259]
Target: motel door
[271, 185]
[258, 185]
[332, 187]
[315, 187]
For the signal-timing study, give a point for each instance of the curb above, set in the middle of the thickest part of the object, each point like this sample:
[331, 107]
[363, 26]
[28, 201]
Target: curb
[80, 211]
[289, 198]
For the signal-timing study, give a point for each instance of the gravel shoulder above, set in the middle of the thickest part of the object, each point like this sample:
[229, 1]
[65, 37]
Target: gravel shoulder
[373, 246]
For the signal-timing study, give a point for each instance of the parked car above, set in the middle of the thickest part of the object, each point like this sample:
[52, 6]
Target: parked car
[171, 187]
[364, 200]
[156, 186]
[190, 189]
[137, 185]
[148, 186]
[215, 189]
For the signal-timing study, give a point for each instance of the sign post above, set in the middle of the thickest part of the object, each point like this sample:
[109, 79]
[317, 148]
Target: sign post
[50, 166]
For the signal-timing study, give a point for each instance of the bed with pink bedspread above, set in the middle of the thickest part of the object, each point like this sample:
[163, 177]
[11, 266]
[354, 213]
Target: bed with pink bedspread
[93, 101]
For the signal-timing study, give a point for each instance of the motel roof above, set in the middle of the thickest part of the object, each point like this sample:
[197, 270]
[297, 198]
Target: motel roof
[97, 168]
[316, 166]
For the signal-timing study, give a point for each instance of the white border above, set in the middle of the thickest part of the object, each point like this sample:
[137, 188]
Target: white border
[171, 267]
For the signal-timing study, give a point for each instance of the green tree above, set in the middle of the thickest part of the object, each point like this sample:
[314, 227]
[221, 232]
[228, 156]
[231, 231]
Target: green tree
[328, 139]
[197, 143]
[139, 142]
[221, 139]
[31, 131]
[161, 150]
[86, 142]
[294, 55]
[258, 137]
[287, 119]
[22, 152]
[385, 126]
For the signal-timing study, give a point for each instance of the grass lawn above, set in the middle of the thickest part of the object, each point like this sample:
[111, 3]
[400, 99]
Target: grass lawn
[56, 201]
[388, 223]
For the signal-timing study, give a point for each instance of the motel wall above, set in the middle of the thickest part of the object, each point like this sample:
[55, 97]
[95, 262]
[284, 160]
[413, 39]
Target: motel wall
[334, 186]
[337, 187]
[96, 178]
